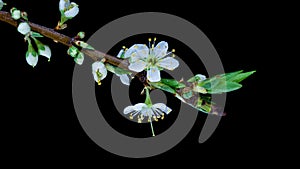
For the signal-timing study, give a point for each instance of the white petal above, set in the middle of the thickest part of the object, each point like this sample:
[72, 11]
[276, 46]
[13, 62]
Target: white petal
[46, 52]
[101, 67]
[125, 79]
[140, 106]
[142, 50]
[32, 60]
[128, 109]
[120, 53]
[136, 52]
[162, 107]
[153, 75]
[137, 66]
[24, 28]
[161, 49]
[63, 4]
[147, 112]
[71, 13]
[168, 63]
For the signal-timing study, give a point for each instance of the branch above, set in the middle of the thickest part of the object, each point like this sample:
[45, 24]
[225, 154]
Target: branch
[65, 40]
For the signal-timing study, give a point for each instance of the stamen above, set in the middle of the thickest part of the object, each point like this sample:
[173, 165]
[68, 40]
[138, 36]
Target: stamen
[124, 47]
[163, 116]
[173, 50]
[131, 116]
[99, 82]
[154, 117]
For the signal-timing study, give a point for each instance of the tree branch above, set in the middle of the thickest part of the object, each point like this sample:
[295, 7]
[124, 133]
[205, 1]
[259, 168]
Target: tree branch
[96, 55]
[65, 40]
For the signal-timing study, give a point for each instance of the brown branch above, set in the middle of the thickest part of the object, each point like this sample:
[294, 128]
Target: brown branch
[65, 40]
[93, 54]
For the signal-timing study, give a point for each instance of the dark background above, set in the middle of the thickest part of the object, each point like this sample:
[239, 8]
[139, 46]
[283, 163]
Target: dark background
[40, 121]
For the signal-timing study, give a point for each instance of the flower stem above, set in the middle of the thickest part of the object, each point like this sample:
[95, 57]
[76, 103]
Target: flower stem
[151, 127]
[148, 101]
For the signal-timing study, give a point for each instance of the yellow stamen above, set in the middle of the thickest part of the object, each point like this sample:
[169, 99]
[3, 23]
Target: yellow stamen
[131, 116]
[149, 39]
[99, 82]
[173, 50]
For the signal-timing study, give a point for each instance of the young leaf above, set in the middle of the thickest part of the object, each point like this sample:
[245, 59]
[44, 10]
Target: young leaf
[73, 51]
[36, 35]
[116, 70]
[240, 77]
[162, 86]
[172, 83]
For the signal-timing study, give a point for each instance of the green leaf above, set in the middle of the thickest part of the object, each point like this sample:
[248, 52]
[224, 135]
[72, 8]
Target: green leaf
[36, 35]
[224, 86]
[172, 83]
[196, 78]
[73, 51]
[116, 70]
[240, 77]
[162, 86]
[79, 58]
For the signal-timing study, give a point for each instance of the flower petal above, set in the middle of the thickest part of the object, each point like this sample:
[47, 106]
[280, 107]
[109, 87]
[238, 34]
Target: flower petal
[46, 52]
[168, 63]
[161, 49]
[140, 106]
[63, 4]
[24, 28]
[162, 107]
[153, 74]
[120, 54]
[32, 59]
[136, 52]
[128, 109]
[125, 79]
[71, 13]
[99, 66]
[137, 66]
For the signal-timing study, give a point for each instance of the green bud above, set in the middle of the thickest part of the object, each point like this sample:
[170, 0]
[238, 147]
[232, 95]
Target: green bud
[15, 13]
[73, 51]
[81, 35]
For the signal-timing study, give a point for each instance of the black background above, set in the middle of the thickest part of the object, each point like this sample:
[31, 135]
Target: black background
[40, 121]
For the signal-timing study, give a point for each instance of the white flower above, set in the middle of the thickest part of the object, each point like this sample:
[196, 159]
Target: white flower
[99, 71]
[142, 110]
[32, 58]
[70, 9]
[2, 4]
[46, 52]
[24, 28]
[152, 59]
[124, 79]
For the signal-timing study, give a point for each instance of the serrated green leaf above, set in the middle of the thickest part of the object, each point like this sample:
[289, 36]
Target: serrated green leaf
[172, 83]
[162, 86]
[116, 70]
